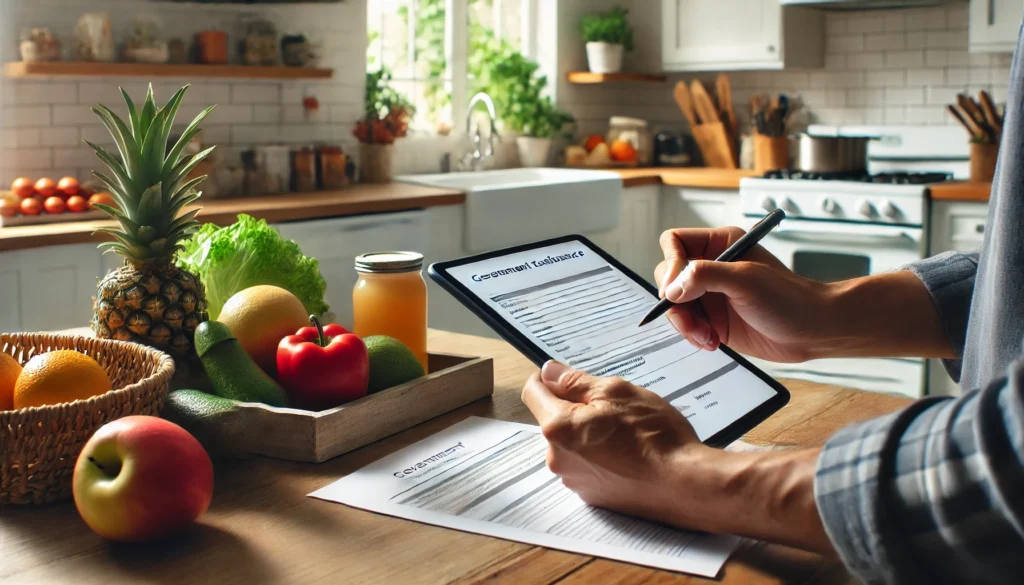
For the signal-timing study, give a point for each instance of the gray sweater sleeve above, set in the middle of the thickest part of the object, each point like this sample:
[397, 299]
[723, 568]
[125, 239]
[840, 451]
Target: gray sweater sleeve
[949, 278]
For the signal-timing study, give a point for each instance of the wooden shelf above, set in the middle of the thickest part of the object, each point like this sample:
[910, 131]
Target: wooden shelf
[79, 68]
[588, 77]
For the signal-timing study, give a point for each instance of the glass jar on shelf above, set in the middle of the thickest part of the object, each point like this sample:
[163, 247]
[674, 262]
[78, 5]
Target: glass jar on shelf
[634, 131]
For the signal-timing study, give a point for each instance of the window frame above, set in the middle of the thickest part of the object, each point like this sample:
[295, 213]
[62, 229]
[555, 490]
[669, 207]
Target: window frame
[456, 48]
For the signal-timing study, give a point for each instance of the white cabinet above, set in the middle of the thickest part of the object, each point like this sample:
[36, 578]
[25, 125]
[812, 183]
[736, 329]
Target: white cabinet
[993, 25]
[48, 288]
[336, 242]
[700, 208]
[959, 226]
[715, 35]
[635, 241]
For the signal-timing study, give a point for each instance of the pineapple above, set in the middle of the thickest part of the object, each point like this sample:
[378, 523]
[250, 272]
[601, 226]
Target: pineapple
[150, 300]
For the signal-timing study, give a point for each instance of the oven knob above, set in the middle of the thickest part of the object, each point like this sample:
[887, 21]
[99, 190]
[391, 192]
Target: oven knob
[786, 204]
[889, 210]
[767, 203]
[828, 205]
[865, 208]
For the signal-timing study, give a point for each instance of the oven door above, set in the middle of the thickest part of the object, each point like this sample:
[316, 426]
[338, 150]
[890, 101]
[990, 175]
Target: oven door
[830, 251]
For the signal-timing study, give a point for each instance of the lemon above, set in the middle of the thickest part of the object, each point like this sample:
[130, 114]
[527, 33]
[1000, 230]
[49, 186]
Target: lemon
[59, 376]
[260, 317]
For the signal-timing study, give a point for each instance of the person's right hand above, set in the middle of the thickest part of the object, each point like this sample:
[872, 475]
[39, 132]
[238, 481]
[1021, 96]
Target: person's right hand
[757, 306]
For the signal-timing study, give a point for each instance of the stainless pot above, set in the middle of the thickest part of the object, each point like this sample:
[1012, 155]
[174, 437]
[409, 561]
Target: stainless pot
[833, 154]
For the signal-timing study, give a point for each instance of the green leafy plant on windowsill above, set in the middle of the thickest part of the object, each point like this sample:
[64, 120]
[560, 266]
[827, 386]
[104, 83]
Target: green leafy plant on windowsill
[518, 92]
[608, 27]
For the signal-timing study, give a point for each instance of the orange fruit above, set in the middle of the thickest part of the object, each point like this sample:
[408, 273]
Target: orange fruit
[592, 141]
[54, 205]
[68, 186]
[622, 151]
[46, 187]
[10, 369]
[31, 206]
[77, 203]
[8, 209]
[23, 187]
[102, 199]
[59, 376]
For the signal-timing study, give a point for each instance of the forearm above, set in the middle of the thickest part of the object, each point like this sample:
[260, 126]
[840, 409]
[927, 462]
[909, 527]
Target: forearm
[764, 495]
[884, 315]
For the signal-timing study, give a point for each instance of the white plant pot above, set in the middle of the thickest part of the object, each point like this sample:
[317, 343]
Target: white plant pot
[533, 152]
[604, 57]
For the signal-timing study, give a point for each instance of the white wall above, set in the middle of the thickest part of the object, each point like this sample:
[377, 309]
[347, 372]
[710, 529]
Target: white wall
[881, 67]
[44, 120]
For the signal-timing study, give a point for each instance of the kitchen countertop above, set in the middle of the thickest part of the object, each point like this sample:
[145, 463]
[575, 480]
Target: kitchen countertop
[262, 528]
[960, 191]
[352, 200]
[684, 177]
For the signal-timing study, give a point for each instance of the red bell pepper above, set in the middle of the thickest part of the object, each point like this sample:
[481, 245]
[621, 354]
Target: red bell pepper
[322, 367]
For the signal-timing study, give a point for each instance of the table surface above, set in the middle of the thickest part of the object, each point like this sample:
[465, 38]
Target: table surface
[263, 529]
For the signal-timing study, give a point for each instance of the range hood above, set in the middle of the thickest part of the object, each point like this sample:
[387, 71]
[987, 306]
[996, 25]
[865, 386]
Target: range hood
[862, 4]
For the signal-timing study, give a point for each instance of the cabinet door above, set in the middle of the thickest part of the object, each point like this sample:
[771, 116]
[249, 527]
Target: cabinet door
[641, 229]
[10, 292]
[720, 34]
[702, 208]
[993, 25]
[957, 226]
[56, 286]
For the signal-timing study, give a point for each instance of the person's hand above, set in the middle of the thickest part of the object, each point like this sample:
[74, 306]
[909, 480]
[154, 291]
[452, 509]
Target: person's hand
[615, 444]
[625, 448]
[757, 306]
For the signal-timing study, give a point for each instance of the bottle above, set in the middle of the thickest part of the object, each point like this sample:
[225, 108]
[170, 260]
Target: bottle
[390, 298]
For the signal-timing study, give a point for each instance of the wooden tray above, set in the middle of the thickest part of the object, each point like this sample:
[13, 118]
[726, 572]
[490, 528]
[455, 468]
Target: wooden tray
[51, 218]
[314, 437]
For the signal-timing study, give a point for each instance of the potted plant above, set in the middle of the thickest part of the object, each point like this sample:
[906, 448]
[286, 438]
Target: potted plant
[386, 119]
[607, 35]
[518, 93]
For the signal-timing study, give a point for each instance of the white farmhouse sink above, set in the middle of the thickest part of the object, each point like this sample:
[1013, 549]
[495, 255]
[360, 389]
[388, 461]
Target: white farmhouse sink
[516, 206]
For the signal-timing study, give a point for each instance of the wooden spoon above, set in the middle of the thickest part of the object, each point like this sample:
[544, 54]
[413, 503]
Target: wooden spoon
[685, 102]
[702, 101]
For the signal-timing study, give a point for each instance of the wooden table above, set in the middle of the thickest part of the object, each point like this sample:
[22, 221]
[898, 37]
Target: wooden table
[262, 529]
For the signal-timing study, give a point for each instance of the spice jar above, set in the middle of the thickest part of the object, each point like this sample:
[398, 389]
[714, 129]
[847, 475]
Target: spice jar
[303, 170]
[213, 47]
[390, 298]
[331, 167]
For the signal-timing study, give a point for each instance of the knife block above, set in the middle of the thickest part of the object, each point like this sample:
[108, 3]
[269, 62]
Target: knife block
[713, 141]
[983, 161]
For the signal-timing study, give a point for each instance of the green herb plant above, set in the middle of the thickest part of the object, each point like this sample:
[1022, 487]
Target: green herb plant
[608, 27]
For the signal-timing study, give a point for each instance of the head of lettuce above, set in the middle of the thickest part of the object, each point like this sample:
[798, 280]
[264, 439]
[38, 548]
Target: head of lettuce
[247, 253]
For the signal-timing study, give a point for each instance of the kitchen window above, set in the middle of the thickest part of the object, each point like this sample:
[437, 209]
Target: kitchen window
[426, 45]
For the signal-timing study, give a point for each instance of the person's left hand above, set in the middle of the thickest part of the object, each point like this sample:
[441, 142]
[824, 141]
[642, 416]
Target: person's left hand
[619, 446]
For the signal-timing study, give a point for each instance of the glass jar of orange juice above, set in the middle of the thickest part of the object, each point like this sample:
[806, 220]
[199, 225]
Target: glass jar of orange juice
[390, 298]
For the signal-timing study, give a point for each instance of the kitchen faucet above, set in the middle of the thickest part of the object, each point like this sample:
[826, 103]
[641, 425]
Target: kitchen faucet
[476, 157]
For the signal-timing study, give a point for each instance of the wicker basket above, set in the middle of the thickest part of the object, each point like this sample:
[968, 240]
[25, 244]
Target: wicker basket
[39, 445]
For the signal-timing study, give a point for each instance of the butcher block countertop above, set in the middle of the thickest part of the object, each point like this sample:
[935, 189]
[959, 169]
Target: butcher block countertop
[262, 528]
[684, 177]
[960, 191]
[353, 200]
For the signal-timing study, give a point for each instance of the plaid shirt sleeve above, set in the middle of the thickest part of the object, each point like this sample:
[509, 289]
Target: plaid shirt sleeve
[935, 493]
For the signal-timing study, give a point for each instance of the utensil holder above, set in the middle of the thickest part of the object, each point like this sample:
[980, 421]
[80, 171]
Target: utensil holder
[770, 153]
[983, 161]
[375, 162]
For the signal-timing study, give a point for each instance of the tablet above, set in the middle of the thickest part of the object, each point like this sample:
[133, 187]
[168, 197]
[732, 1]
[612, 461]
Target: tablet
[568, 300]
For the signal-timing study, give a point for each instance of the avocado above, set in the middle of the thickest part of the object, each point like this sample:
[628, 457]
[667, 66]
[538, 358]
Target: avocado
[391, 363]
[232, 373]
[207, 417]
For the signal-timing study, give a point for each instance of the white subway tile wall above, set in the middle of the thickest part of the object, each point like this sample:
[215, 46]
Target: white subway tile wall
[881, 67]
[43, 121]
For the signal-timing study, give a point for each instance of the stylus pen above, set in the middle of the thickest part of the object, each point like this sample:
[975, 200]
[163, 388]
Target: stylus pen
[737, 250]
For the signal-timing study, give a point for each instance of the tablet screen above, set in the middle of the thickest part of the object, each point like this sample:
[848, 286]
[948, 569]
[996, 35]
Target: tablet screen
[581, 309]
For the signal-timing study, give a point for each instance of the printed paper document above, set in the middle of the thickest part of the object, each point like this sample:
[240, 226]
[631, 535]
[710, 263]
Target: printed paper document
[490, 477]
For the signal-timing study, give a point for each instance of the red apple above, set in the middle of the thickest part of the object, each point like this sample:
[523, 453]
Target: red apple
[141, 478]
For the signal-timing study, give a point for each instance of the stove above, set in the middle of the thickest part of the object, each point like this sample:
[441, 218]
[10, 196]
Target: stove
[847, 225]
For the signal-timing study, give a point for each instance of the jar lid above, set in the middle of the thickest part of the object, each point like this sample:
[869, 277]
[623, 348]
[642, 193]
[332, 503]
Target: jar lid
[389, 262]
[625, 121]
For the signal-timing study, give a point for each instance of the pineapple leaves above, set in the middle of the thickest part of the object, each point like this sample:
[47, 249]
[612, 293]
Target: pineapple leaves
[120, 195]
[124, 181]
[122, 135]
[183, 169]
[133, 114]
[130, 227]
[184, 221]
[125, 241]
[152, 150]
[174, 156]
[148, 113]
[149, 205]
